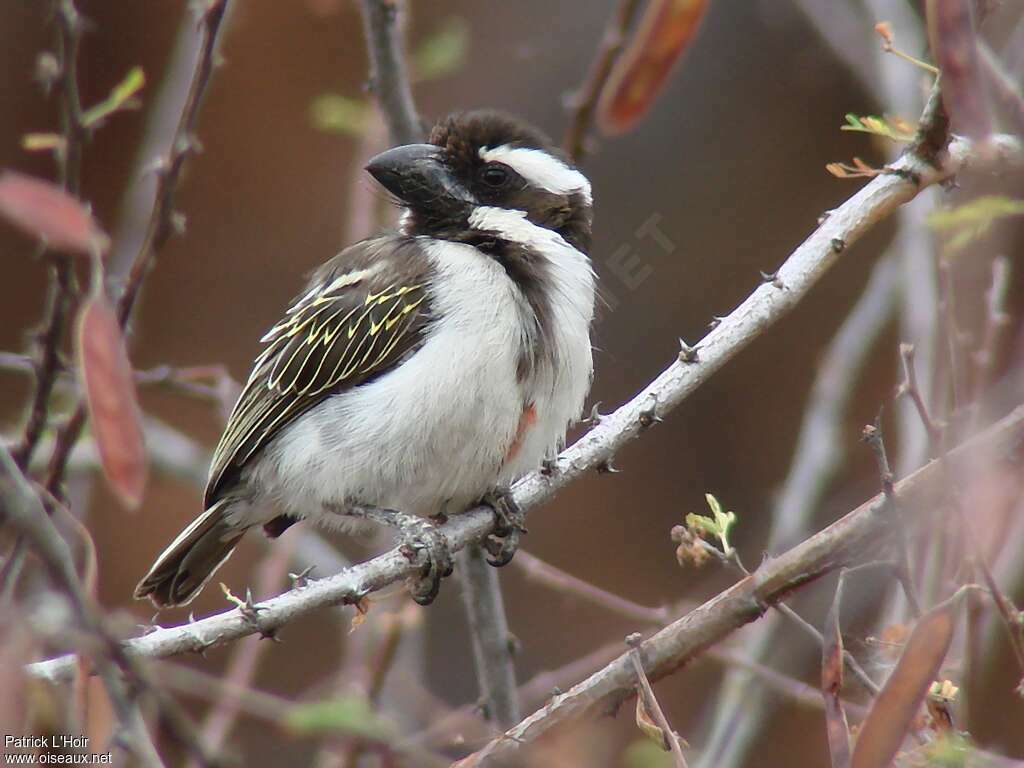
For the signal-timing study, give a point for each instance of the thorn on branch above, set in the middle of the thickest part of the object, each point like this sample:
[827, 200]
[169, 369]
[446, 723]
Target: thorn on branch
[838, 245]
[302, 578]
[772, 278]
[716, 320]
[688, 354]
[649, 416]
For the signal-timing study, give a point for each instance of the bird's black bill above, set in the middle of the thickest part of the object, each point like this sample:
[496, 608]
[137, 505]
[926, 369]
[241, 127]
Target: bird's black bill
[417, 175]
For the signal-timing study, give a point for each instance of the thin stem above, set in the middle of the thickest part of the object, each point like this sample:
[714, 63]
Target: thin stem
[650, 702]
[492, 643]
[389, 76]
[540, 572]
[583, 103]
[161, 222]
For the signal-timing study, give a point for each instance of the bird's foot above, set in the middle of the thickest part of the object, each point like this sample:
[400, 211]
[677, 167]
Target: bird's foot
[503, 542]
[421, 542]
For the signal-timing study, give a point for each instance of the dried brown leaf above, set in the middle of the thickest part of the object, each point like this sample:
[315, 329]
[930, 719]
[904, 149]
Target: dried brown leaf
[899, 702]
[45, 211]
[836, 726]
[641, 72]
[109, 386]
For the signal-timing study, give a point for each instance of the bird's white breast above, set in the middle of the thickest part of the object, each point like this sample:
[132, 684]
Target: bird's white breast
[433, 434]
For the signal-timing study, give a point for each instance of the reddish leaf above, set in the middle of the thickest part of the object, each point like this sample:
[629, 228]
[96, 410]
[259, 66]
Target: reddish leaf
[900, 700]
[44, 210]
[109, 386]
[954, 49]
[836, 726]
[642, 71]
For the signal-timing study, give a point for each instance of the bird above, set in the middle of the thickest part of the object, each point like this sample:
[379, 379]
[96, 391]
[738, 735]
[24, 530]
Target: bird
[421, 371]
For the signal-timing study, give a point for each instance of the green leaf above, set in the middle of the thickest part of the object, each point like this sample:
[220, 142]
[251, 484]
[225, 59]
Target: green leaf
[888, 127]
[41, 142]
[334, 113]
[443, 52]
[718, 525]
[966, 223]
[348, 715]
[121, 97]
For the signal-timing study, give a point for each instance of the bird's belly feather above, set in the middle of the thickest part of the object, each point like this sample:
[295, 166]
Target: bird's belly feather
[433, 434]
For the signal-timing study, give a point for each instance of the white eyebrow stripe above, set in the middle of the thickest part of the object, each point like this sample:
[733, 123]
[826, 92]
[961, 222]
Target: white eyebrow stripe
[539, 169]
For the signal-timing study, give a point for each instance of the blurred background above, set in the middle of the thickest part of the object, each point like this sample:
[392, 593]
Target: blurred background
[728, 169]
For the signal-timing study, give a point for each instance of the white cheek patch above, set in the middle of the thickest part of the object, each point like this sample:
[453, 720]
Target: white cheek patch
[513, 225]
[539, 169]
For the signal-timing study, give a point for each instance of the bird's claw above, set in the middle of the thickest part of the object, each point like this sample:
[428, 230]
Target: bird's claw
[423, 541]
[419, 540]
[503, 542]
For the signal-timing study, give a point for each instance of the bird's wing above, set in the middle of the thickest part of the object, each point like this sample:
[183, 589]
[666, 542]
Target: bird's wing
[363, 312]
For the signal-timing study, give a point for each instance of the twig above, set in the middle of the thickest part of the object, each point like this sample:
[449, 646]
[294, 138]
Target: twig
[540, 572]
[1011, 617]
[389, 77]
[910, 388]
[651, 704]
[819, 450]
[762, 308]
[997, 322]
[583, 103]
[492, 644]
[836, 726]
[162, 222]
[947, 311]
[63, 283]
[872, 435]
[836, 546]
[733, 560]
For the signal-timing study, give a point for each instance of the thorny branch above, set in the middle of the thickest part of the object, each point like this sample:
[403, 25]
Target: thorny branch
[811, 260]
[841, 544]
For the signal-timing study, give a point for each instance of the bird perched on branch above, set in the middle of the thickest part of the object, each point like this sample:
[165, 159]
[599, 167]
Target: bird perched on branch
[421, 371]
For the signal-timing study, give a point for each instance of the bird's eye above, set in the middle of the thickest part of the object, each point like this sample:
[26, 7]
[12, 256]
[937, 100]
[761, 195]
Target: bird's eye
[495, 176]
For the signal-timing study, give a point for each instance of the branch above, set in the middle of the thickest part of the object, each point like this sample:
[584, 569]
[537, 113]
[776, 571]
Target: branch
[492, 643]
[839, 545]
[389, 78]
[163, 221]
[766, 305]
[63, 284]
[583, 103]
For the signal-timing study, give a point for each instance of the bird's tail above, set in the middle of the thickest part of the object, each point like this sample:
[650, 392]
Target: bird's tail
[183, 569]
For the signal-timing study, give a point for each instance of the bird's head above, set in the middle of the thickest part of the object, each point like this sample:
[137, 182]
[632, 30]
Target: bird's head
[479, 161]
